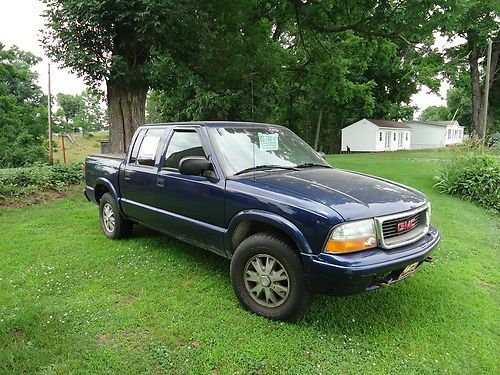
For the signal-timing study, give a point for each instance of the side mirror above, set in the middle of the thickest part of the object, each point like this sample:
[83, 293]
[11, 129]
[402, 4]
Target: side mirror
[145, 160]
[321, 153]
[194, 165]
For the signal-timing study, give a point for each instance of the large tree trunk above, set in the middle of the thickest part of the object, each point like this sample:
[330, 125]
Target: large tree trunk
[475, 84]
[127, 111]
[476, 87]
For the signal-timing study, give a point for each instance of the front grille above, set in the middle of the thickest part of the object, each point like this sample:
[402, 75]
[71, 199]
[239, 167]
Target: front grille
[390, 227]
[392, 237]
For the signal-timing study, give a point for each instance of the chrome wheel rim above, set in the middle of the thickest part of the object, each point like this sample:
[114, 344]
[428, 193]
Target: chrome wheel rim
[108, 217]
[266, 280]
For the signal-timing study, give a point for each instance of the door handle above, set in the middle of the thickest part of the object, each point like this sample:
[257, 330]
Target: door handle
[160, 182]
[126, 176]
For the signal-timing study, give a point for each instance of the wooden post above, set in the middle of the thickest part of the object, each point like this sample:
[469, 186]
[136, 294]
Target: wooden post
[63, 148]
[49, 107]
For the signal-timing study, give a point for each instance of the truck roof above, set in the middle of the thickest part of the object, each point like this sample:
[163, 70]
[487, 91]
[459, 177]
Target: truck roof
[214, 124]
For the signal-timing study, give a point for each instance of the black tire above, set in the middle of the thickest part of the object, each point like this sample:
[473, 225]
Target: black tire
[254, 251]
[121, 227]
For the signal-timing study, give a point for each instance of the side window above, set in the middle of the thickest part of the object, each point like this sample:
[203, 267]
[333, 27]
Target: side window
[380, 136]
[182, 144]
[394, 135]
[137, 144]
[149, 144]
[406, 136]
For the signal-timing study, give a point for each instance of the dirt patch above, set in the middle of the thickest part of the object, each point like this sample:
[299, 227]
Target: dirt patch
[39, 197]
[124, 339]
[104, 339]
[485, 284]
[126, 299]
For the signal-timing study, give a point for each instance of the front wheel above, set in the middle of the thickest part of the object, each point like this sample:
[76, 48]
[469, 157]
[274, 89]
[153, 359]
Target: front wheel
[113, 224]
[268, 277]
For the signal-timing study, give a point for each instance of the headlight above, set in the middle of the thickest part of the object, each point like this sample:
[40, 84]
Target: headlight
[350, 237]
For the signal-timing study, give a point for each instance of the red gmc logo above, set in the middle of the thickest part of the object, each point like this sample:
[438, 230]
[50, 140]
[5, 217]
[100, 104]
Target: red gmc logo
[406, 225]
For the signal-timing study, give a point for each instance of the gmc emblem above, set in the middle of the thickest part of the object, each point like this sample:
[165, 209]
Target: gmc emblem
[406, 225]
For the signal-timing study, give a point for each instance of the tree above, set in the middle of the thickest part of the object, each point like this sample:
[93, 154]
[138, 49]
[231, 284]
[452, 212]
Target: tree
[114, 41]
[435, 113]
[474, 21]
[91, 117]
[292, 60]
[69, 107]
[83, 111]
[23, 113]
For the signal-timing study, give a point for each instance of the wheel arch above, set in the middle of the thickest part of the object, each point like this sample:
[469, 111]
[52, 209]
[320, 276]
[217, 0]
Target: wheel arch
[103, 186]
[249, 222]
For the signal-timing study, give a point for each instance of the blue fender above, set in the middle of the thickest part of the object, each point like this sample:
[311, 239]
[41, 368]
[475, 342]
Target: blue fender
[111, 189]
[272, 219]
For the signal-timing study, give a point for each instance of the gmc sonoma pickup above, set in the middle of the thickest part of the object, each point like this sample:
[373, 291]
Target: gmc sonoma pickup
[291, 224]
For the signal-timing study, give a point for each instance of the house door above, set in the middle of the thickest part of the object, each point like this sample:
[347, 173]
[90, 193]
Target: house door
[400, 140]
[387, 139]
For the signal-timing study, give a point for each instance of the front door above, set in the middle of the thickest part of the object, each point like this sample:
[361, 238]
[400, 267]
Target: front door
[138, 178]
[387, 139]
[400, 141]
[190, 207]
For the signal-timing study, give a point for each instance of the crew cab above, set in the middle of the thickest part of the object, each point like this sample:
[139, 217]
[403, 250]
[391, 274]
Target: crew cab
[292, 225]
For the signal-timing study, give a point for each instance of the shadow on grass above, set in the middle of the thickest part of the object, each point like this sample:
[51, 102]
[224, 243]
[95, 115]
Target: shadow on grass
[399, 305]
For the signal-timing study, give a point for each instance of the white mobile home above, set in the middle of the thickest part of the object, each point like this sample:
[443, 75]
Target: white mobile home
[435, 134]
[376, 135]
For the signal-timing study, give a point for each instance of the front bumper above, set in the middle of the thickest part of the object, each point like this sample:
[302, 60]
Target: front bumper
[366, 270]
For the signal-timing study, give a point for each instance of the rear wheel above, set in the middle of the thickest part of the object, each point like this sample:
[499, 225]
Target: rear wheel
[113, 224]
[268, 277]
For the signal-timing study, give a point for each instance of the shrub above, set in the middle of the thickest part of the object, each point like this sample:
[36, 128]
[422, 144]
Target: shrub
[23, 181]
[474, 176]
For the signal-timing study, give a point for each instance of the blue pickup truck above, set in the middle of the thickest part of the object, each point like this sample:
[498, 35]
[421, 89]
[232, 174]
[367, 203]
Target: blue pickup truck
[292, 225]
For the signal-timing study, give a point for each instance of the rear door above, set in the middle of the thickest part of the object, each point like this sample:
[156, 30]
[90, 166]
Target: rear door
[190, 207]
[138, 177]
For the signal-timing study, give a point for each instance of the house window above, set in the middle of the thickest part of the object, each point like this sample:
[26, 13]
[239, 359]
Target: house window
[380, 136]
[449, 133]
[406, 134]
[394, 135]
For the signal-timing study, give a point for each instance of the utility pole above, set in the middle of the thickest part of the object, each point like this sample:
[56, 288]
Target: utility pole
[51, 151]
[486, 91]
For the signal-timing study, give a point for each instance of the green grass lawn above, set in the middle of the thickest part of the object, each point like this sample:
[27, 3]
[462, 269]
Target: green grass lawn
[72, 301]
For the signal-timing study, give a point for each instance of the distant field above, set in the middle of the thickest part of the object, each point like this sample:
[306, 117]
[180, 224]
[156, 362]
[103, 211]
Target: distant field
[76, 153]
[72, 301]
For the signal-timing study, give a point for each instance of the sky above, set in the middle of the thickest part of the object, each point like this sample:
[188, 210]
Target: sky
[21, 20]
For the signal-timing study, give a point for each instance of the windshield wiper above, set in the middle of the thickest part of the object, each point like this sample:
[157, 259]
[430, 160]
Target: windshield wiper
[264, 167]
[309, 165]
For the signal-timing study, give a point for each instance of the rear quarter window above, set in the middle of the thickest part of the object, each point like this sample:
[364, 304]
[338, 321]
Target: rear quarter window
[144, 151]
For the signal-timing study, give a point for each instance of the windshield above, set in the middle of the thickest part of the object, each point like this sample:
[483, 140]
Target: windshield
[271, 146]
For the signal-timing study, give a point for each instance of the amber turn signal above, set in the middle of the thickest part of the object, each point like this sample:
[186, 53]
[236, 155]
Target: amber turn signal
[352, 236]
[349, 246]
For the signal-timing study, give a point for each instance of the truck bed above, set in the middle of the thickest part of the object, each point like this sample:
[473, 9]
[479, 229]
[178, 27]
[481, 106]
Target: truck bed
[103, 165]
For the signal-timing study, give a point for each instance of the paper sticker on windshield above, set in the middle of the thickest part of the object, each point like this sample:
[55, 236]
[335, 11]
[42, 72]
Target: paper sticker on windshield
[268, 142]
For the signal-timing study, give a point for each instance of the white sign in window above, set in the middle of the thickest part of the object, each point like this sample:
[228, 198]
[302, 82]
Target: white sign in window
[268, 142]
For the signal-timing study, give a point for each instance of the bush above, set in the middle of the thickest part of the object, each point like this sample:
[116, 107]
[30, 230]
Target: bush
[16, 182]
[474, 176]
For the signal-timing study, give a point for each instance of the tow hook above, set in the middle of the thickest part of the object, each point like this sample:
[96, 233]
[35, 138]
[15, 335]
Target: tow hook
[429, 259]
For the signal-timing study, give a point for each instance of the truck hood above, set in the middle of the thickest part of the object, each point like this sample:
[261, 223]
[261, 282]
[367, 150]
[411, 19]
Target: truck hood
[353, 195]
